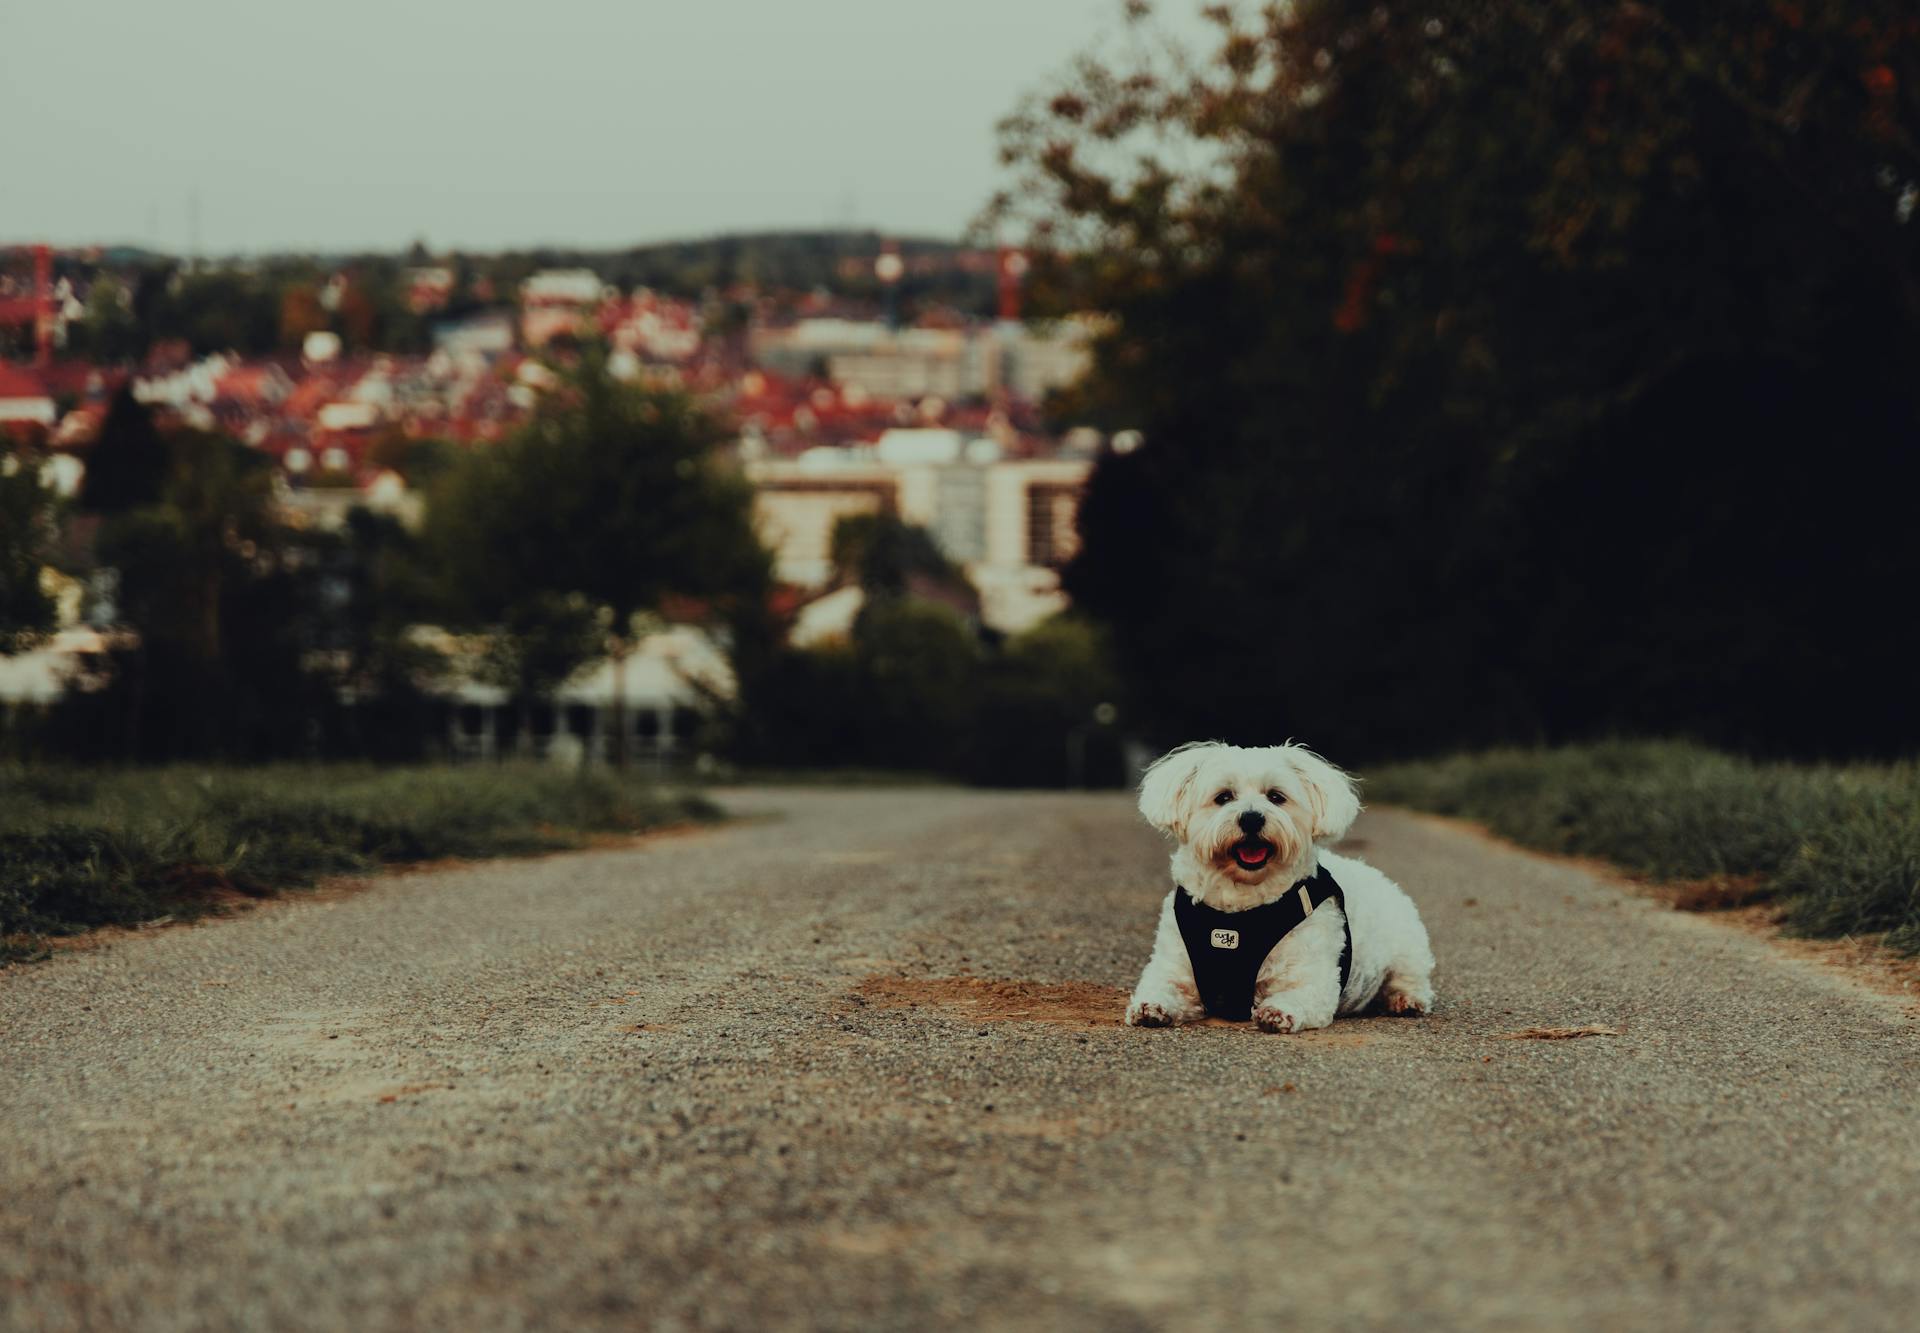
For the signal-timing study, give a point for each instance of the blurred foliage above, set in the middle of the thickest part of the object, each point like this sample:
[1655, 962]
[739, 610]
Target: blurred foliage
[216, 310]
[251, 637]
[254, 635]
[108, 330]
[28, 521]
[538, 640]
[1048, 711]
[915, 689]
[838, 261]
[1661, 808]
[82, 848]
[1506, 372]
[418, 459]
[882, 554]
[917, 664]
[374, 589]
[918, 686]
[257, 636]
[205, 575]
[127, 465]
[1840, 846]
[607, 503]
[135, 300]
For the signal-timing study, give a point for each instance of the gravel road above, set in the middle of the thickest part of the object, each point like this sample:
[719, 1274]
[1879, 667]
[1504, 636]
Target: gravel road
[855, 1062]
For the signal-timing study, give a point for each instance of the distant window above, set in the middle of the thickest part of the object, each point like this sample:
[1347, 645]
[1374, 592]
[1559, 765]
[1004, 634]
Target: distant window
[960, 513]
[580, 720]
[1052, 516]
[646, 724]
[472, 719]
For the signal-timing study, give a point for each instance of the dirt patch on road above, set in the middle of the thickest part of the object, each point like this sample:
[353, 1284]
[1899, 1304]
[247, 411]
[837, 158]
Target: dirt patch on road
[1073, 1003]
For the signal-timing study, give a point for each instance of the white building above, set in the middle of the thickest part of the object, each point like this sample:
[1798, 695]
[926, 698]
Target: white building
[74, 658]
[24, 399]
[484, 334]
[1010, 525]
[558, 301]
[913, 363]
[664, 688]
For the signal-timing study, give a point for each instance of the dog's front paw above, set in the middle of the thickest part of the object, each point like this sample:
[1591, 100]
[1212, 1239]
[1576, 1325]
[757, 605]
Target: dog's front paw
[1399, 1002]
[1140, 1015]
[1273, 1020]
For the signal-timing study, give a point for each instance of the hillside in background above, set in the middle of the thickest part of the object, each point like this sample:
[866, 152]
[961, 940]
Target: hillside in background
[119, 301]
[839, 261]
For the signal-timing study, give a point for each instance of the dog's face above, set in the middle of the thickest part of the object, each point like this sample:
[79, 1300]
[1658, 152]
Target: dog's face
[1248, 815]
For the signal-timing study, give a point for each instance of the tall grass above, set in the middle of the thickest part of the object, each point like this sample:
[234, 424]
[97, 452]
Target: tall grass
[80, 849]
[1840, 846]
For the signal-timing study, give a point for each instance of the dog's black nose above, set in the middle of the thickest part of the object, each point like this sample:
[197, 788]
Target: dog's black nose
[1252, 821]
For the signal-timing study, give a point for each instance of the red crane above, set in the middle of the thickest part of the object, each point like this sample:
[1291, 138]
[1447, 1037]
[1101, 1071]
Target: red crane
[36, 309]
[1013, 271]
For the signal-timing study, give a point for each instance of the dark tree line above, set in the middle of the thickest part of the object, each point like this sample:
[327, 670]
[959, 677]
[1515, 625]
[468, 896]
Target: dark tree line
[917, 685]
[609, 503]
[240, 633]
[1507, 372]
[256, 636]
[270, 304]
[27, 535]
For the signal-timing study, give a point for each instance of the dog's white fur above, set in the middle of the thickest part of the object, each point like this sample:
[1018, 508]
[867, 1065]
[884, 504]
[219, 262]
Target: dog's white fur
[1198, 793]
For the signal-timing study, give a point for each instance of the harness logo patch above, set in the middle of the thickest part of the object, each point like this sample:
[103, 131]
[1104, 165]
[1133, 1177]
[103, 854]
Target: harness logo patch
[1226, 939]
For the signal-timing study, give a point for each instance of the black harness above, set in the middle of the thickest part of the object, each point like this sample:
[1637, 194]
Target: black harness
[1227, 948]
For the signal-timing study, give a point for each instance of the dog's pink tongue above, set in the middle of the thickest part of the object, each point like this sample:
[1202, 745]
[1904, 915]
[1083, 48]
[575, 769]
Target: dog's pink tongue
[1256, 853]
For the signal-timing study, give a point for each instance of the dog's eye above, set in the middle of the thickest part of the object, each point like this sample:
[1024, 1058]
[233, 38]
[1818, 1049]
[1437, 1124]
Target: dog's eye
[1277, 796]
[1222, 798]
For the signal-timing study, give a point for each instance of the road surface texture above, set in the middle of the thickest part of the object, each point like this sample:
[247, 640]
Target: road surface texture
[854, 1061]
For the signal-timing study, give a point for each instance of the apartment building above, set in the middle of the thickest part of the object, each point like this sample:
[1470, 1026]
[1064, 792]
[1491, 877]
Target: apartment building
[1009, 523]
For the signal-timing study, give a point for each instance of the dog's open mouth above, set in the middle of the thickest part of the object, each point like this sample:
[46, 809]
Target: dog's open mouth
[1252, 853]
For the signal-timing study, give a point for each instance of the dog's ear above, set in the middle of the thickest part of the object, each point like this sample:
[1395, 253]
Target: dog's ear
[1167, 786]
[1331, 795]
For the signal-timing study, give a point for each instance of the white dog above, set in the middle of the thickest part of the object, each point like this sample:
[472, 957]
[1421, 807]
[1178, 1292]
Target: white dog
[1262, 920]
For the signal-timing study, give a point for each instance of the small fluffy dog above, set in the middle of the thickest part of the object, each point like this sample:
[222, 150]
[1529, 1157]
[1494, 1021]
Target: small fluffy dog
[1263, 921]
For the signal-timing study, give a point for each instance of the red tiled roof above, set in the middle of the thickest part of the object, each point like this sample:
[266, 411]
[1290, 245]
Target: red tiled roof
[18, 382]
[247, 382]
[76, 378]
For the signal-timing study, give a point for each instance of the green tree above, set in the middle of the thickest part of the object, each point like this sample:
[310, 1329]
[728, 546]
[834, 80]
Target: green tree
[418, 459]
[1481, 353]
[374, 590]
[608, 503]
[885, 555]
[108, 330]
[300, 313]
[27, 529]
[1049, 710]
[252, 638]
[219, 310]
[918, 663]
[127, 463]
[222, 618]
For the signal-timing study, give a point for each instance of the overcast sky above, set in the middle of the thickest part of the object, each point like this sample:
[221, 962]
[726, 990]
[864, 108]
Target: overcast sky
[341, 124]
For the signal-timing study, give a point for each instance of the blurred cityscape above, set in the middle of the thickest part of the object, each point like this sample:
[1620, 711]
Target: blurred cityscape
[901, 382]
[1405, 381]
[1514, 403]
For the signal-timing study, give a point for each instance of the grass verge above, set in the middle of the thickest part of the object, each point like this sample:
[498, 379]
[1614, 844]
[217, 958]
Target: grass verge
[81, 849]
[1837, 846]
